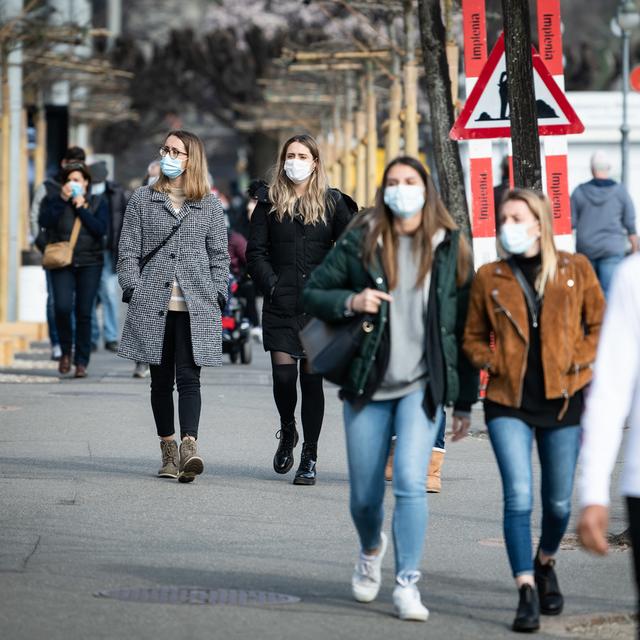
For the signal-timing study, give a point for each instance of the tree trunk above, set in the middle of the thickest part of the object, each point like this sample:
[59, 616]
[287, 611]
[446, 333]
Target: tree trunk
[527, 169]
[446, 151]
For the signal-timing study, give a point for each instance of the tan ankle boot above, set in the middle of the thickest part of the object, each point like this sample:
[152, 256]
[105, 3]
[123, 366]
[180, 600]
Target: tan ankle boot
[388, 470]
[434, 481]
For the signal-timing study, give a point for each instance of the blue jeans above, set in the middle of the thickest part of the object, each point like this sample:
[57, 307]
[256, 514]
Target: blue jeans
[74, 291]
[605, 268]
[558, 448]
[51, 311]
[442, 425]
[109, 299]
[368, 435]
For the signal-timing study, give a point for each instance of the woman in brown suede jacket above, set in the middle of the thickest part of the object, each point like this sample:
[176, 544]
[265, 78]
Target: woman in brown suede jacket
[544, 308]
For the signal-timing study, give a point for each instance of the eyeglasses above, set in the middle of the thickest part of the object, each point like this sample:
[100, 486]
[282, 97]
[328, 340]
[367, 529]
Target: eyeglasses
[172, 152]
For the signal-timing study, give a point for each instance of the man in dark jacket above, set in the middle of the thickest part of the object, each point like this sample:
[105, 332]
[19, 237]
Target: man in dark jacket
[604, 218]
[108, 291]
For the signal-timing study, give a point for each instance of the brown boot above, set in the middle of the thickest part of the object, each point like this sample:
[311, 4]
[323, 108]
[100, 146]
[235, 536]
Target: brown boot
[169, 468]
[388, 470]
[64, 364]
[434, 481]
[191, 464]
[81, 371]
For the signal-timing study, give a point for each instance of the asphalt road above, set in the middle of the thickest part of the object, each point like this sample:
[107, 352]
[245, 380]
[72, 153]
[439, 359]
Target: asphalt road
[81, 512]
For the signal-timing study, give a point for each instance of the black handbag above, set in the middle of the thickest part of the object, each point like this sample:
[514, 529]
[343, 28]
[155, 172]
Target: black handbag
[127, 294]
[330, 348]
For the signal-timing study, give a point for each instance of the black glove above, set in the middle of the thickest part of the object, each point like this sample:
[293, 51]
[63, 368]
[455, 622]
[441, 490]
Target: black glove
[127, 294]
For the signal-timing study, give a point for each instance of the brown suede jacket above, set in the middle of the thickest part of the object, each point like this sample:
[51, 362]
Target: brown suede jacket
[571, 316]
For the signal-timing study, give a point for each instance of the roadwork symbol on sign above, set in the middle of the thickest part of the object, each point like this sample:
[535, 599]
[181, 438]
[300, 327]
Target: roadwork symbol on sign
[486, 112]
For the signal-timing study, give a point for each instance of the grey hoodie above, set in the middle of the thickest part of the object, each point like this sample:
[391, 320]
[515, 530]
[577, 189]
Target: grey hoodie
[603, 216]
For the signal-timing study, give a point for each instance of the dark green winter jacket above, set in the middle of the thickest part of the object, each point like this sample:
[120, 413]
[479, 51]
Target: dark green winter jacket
[451, 378]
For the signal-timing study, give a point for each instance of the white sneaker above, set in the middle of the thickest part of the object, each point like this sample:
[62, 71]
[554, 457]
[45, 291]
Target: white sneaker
[406, 599]
[365, 582]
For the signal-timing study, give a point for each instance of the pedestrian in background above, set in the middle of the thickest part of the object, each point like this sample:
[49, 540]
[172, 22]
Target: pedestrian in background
[75, 287]
[108, 290]
[290, 234]
[544, 308]
[604, 218]
[614, 396]
[174, 317]
[406, 264]
[51, 187]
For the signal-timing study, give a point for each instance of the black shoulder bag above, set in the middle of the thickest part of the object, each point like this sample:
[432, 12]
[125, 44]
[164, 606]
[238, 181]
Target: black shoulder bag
[127, 294]
[330, 348]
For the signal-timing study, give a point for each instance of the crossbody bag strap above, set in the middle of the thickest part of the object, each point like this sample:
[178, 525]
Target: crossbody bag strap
[75, 232]
[530, 295]
[145, 259]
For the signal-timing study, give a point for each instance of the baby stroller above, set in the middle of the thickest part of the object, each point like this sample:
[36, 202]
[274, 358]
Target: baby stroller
[236, 328]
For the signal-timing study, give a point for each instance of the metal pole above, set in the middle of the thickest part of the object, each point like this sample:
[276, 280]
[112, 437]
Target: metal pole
[14, 77]
[624, 128]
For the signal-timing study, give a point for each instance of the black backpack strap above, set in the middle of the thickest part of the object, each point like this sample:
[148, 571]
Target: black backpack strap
[530, 295]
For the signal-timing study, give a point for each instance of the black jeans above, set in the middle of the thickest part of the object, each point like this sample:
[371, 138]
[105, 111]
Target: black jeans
[74, 292]
[633, 511]
[177, 365]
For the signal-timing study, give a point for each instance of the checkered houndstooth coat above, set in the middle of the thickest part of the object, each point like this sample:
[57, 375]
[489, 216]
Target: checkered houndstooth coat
[197, 255]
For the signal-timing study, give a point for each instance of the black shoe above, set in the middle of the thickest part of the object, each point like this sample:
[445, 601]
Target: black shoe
[306, 473]
[551, 600]
[288, 436]
[528, 615]
[111, 346]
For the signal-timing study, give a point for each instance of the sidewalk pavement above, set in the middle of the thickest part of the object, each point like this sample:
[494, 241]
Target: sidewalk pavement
[82, 512]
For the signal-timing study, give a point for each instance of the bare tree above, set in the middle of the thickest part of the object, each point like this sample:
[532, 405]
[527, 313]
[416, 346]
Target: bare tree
[446, 151]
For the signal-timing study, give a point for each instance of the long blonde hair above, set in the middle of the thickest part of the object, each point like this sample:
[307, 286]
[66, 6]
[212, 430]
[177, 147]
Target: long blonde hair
[379, 223]
[195, 177]
[314, 203]
[540, 206]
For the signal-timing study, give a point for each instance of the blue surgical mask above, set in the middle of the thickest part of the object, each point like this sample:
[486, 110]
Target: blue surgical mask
[515, 237]
[98, 188]
[404, 200]
[76, 189]
[170, 167]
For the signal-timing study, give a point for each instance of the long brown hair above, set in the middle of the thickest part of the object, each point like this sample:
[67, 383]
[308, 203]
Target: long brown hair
[540, 206]
[379, 222]
[195, 177]
[313, 204]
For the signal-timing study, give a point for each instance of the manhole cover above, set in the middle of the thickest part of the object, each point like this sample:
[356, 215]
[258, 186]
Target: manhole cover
[91, 393]
[599, 626]
[570, 542]
[194, 595]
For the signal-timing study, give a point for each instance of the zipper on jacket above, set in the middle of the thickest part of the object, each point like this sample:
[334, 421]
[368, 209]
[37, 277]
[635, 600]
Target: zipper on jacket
[526, 342]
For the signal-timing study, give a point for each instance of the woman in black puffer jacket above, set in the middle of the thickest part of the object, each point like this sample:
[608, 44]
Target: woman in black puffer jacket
[290, 234]
[75, 287]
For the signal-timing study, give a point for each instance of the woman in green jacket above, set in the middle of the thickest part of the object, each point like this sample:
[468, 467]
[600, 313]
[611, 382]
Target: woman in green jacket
[406, 265]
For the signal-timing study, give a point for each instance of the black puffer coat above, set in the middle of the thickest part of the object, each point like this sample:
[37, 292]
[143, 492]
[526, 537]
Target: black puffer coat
[280, 258]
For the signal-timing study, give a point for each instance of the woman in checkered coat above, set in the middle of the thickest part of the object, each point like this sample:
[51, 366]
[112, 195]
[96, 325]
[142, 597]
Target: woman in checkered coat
[174, 318]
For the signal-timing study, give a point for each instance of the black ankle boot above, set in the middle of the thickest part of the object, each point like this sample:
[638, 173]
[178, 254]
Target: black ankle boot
[528, 614]
[306, 473]
[288, 436]
[551, 600]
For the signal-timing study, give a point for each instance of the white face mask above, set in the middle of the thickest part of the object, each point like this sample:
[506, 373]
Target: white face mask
[298, 170]
[98, 188]
[404, 200]
[515, 237]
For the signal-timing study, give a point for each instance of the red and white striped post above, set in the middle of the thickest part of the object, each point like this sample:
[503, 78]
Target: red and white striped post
[480, 151]
[555, 147]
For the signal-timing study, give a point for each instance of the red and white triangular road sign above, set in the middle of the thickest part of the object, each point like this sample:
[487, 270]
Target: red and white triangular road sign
[486, 112]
